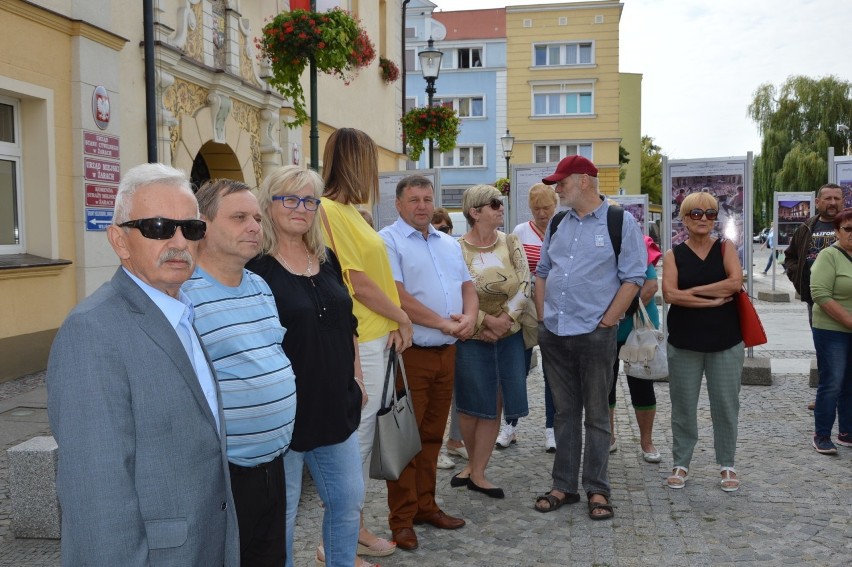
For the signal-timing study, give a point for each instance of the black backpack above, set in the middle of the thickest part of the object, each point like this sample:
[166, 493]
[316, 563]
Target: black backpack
[614, 224]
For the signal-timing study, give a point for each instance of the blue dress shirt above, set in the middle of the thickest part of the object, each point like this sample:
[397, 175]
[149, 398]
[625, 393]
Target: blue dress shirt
[431, 269]
[581, 271]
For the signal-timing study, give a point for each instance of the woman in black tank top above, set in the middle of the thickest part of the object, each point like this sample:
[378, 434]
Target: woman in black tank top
[700, 277]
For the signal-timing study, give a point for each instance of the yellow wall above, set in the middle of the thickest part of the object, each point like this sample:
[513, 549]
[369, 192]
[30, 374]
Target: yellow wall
[33, 302]
[631, 129]
[603, 129]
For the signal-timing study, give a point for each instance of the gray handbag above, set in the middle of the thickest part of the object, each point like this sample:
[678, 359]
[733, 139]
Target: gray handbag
[397, 438]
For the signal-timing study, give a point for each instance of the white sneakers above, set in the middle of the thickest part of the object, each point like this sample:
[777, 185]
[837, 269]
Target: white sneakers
[549, 440]
[444, 462]
[507, 436]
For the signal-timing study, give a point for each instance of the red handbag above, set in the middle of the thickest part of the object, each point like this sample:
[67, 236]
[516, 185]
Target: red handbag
[750, 325]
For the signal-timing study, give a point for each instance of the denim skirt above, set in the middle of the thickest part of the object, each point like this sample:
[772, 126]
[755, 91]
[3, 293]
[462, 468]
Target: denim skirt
[482, 368]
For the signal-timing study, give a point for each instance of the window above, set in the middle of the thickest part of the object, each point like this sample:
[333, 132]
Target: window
[462, 58]
[554, 152]
[562, 54]
[461, 156]
[11, 214]
[566, 99]
[467, 107]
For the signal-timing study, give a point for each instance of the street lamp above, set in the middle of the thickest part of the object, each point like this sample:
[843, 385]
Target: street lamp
[430, 66]
[844, 129]
[508, 142]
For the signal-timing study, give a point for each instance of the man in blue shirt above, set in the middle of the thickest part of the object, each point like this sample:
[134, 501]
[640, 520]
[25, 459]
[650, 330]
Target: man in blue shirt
[437, 294]
[581, 293]
[236, 316]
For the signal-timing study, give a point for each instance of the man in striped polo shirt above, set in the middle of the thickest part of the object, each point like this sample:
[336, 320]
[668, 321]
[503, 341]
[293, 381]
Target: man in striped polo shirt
[236, 317]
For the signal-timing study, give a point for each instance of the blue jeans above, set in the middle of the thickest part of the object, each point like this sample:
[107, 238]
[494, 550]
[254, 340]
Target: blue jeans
[579, 370]
[336, 470]
[549, 411]
[834, 393]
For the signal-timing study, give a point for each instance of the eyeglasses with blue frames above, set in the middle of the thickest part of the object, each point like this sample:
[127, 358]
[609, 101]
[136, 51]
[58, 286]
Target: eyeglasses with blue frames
[292, 202]
[160, 228]
[696, 214]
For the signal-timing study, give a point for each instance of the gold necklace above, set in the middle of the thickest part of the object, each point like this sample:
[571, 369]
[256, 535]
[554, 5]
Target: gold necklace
[308, 271]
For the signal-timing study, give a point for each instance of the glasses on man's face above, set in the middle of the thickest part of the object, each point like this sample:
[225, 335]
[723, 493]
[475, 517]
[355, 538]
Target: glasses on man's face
[444, 228]
[846, 229]
[696, 214]
[159, 228]
[292, 201]
[494, 203]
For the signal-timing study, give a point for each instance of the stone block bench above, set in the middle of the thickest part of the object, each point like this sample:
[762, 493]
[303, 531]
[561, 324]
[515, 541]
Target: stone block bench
[32, 486]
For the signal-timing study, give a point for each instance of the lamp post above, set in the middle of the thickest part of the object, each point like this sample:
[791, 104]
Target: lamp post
[430, 66]
[508, 142]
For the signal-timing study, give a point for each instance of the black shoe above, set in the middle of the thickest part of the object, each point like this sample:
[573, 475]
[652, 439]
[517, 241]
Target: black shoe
[490, 492]
[458, 482]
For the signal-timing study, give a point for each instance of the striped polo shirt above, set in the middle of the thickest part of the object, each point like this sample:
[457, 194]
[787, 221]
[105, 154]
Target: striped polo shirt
[240, 329]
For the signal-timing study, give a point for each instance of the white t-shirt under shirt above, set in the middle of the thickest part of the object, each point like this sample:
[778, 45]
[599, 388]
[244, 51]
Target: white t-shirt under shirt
[531, 239]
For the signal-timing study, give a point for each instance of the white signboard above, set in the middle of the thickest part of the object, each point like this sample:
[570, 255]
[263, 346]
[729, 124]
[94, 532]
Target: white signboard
[384, 212]
[523, 178]
[636, 205]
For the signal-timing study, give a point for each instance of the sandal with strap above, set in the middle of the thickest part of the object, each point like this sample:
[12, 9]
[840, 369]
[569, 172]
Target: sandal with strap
[605, 506]
[729, 483]
[554, 502]
[677, 480]
[320, 560]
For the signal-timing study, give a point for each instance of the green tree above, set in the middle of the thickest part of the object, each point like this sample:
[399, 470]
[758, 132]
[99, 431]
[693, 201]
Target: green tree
[623, 160]
[798, 123]
[652, 170]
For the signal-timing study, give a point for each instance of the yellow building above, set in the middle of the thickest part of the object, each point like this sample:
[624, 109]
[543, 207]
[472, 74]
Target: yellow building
[564, 88]
[73, 117]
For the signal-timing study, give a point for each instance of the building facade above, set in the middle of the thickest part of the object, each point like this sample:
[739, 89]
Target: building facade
[73, 117]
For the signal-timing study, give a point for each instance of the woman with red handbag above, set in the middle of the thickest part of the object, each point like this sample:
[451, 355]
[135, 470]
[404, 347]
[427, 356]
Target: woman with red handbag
[704, 338]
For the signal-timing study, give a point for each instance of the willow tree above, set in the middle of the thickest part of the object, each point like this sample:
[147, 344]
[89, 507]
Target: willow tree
[798, 122]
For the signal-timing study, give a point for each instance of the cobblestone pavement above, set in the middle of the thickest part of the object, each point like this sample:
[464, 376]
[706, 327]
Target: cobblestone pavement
[794, 506]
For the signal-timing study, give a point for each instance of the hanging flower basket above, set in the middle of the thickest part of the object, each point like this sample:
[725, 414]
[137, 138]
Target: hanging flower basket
[335, 40]
[503, 185]
[441, 123]
[389, 70]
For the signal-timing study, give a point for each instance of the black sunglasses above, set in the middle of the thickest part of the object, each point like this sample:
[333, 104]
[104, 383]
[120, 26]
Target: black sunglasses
[163, 229]
[444, 228]
[494, 203]
[696, 214]
[846, 229]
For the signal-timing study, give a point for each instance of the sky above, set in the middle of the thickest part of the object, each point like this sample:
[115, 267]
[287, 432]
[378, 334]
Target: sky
[702, 61]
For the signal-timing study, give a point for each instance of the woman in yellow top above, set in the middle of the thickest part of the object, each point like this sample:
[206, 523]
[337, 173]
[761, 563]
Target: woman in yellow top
[351, 175]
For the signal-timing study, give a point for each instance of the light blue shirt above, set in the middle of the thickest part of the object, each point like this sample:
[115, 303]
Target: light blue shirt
[581, 272]
[180, 315]
[431, 270]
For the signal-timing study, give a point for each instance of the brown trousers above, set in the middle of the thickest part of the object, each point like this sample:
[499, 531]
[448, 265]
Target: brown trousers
[430, 373]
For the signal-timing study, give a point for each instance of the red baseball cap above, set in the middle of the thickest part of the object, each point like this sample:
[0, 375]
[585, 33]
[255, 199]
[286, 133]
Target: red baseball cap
[571, 165]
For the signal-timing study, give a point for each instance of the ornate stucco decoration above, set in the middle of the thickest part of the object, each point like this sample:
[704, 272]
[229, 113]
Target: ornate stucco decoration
[182, 97]
[220, 108]
[249, 119]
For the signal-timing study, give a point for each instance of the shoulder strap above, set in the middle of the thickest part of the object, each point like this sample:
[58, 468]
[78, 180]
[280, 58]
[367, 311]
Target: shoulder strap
[554, 223]
[614, 223]
[842, 251]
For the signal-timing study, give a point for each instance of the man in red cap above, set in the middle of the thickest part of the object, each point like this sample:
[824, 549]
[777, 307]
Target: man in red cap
[582, 290]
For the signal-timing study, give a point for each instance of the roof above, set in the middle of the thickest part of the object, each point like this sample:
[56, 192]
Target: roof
[473, 24]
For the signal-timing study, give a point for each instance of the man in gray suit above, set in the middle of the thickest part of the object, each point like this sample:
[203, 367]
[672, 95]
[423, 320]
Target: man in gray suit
[133, 401]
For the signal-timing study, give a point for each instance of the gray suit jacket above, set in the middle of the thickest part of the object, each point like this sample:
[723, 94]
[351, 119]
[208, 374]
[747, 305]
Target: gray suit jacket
[143, 474]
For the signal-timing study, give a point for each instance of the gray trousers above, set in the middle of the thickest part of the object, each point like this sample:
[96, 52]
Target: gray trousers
[724, 374]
